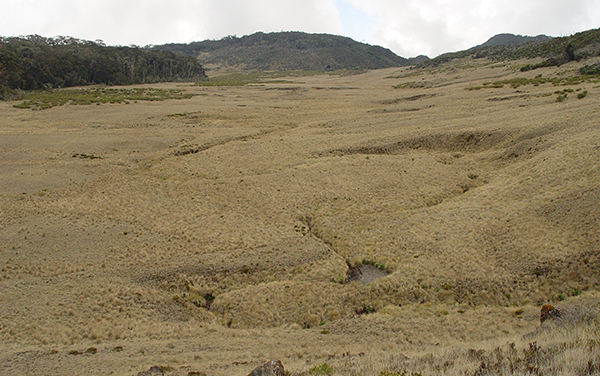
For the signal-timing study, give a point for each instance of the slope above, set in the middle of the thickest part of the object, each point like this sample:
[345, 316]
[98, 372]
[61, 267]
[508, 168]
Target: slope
[289, 51]
[478, 204]
[554, 51]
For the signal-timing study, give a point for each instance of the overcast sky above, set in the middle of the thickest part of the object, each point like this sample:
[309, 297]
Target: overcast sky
[407, 27]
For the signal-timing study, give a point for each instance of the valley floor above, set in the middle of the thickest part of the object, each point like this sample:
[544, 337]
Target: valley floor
[212, 234]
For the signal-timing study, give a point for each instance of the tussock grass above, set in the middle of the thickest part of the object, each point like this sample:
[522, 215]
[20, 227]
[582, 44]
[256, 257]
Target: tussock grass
[216, 233]
[538, 80]
[41, 100]
[243, 78]
[570, 346]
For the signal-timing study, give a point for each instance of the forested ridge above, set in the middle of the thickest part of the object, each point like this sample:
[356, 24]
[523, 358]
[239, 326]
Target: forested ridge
[290, 50]
[34, 62]
[555, 51]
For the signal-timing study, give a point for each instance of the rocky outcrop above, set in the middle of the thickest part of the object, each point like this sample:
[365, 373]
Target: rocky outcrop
[548, 312]
[272, 368]
[153, 371]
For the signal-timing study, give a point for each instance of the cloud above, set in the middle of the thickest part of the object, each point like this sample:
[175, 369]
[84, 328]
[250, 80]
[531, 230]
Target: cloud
[159, 21]
[432, 27]
[407, 27]
[245, 17]
[356, 23]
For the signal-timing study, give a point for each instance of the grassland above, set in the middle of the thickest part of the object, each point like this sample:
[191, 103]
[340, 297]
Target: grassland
[209, 232]
[45, 99]
[252, 77]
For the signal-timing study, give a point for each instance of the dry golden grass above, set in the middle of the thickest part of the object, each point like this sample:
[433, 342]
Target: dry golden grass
[214, 233]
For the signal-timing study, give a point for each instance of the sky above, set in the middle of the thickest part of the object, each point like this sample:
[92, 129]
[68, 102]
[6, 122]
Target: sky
[407, 27]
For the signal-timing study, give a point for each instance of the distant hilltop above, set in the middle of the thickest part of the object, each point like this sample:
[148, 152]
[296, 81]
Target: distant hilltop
[554, 51]
[295, 50]
[512, 40]
[291, 50]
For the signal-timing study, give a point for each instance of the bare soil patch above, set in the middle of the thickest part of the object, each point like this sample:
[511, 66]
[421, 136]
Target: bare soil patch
[365, 274]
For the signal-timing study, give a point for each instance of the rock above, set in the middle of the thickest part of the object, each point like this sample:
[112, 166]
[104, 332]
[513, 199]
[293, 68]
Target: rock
[153, 371]
[157, 371]
[548, 312]
[272, 368]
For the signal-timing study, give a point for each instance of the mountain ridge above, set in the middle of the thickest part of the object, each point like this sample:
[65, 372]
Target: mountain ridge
[294, 50]
[555, 51]
[508, 39]
[291, 50]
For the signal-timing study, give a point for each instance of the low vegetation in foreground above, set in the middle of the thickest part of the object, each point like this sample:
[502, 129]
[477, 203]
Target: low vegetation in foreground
[570, 346]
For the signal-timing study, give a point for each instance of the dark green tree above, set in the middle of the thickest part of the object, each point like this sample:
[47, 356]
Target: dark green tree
[10, 71]
[34, 62]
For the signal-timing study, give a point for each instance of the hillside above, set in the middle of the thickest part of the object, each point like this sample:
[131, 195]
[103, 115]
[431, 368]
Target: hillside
[555, 51]
[511, 40]
[289, 51]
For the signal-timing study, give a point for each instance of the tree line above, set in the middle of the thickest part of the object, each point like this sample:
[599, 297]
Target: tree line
[34, 62]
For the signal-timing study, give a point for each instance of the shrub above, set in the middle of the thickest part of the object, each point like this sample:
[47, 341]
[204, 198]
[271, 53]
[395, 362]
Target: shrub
[323, 369]
[590, 69]
[42, 100]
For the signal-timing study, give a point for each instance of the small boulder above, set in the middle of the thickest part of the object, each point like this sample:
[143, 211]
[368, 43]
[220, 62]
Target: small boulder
[548, 312]
[153, 371]
[272, 368]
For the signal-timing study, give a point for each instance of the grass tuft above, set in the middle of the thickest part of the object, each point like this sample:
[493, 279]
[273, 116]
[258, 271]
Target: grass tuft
[538, 80]
[322, 369]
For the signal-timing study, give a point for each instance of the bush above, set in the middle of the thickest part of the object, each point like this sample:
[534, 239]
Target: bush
[323, 369]
[590, 69]
[41, 100]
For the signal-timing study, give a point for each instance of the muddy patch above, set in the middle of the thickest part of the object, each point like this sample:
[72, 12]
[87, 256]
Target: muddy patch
[365, 274]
